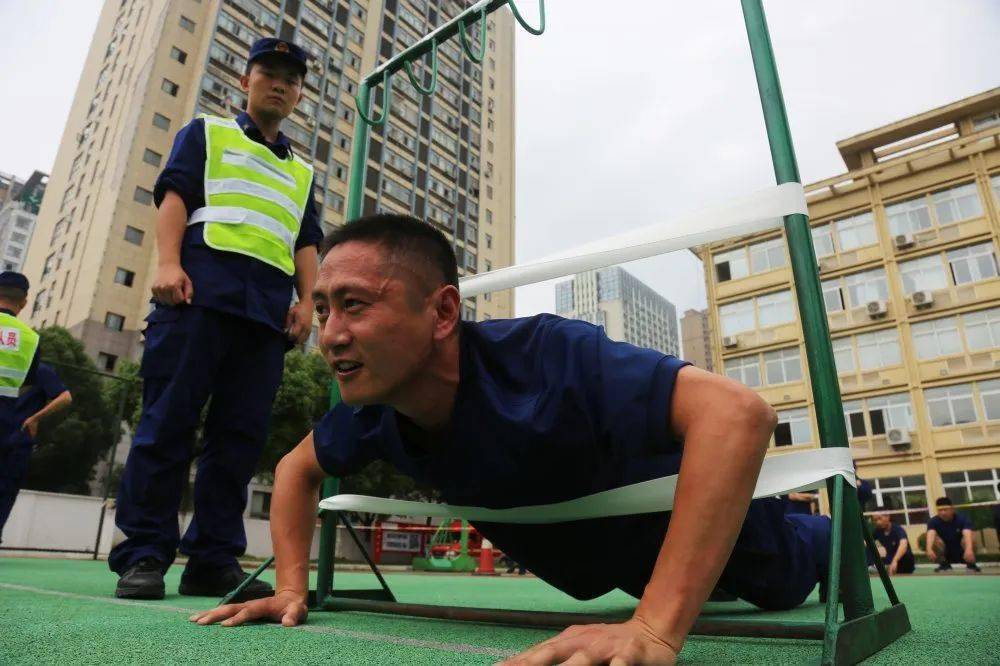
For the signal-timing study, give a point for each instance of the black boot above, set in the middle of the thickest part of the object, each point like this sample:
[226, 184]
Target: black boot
[144, 580]
[204, 582]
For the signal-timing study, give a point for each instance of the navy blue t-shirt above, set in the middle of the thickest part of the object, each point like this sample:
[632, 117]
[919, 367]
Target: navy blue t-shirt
[44, 386]
[891, 541]
[228, 281]
[547, 409]
[951, 531]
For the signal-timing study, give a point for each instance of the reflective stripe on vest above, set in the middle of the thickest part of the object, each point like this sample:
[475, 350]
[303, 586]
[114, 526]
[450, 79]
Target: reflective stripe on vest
[254, 201]
[18, 344]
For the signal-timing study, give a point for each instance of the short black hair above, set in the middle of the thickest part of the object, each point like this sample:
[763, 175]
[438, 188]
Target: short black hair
[942, 501]
[400, 235]
[13, 294]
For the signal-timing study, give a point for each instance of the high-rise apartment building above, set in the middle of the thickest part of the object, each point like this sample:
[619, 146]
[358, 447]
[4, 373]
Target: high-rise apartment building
[154, 64]
[628, 309]
[906, 243]
[10, 187]
[696, 341]
[19, 204]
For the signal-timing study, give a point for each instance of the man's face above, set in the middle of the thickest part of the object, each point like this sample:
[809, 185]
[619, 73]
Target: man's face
[273, 87]
[376, 330]
[946, 512]
[881, 521]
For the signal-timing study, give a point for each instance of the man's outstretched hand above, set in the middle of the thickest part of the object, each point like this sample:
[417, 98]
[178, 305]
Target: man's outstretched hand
[628, 643]
[288, 608]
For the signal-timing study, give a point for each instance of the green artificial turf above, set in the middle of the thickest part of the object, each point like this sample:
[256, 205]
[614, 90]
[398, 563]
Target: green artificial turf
[63, 611]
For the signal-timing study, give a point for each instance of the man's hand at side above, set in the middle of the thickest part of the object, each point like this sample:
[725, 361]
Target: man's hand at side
[631, 642]
[288, 608]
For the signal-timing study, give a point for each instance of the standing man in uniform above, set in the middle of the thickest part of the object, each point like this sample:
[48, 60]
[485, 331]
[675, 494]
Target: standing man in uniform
[237, 228]
[21, 383]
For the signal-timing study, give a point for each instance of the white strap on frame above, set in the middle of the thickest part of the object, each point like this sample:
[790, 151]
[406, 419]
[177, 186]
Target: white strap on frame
[780, 474]
[760, 211]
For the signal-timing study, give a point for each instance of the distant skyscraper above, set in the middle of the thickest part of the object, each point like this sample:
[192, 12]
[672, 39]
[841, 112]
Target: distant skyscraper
[628, 309]
[19, 203]
[696, 339]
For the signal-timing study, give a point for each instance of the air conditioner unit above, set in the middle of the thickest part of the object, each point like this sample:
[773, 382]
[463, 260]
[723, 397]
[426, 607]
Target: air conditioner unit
[898, 438]
[258, 21]
[311, 122]
[316, 64]
[902, 241]
[730, 341]
[923, 298]
[877, 309]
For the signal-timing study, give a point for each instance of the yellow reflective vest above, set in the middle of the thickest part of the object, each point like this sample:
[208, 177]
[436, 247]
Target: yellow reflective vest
[18, 344]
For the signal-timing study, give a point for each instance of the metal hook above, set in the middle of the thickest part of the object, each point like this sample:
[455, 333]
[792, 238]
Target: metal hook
[385, 103]
[467, 46]
[520, 19]
[434, 73]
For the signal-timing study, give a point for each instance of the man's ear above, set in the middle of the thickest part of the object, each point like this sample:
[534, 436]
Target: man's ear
[448, 308]
[245, 83]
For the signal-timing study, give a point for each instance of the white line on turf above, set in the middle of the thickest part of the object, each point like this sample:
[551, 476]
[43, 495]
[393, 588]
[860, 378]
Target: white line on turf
[462, 648]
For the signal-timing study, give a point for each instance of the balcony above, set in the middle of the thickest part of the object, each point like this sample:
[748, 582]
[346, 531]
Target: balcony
[877, 446]
[841, 260]
[858, 317]
[944, 234]
[961, 364]
[952, 296]
[866, 380]
[755, 282]
[972, 434]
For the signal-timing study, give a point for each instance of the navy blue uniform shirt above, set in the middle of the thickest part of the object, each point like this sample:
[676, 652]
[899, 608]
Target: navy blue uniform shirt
[951, 531]
[228, 281]
[891, 541]
[45, 386]
[547, 409]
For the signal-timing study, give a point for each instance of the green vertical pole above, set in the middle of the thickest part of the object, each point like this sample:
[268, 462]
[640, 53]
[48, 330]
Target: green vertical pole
[331, 486]
[857, 594]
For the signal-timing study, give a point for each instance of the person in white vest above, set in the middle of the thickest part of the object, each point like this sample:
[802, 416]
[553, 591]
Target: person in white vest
[237, 229]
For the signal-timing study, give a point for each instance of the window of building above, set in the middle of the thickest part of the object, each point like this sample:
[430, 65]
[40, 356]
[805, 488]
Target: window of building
[767, 256]
[106, 362]
[178, 55]
[187, 23]
[775, 309]
[399, 163]
[489, 242]
[855, 290]
[737, 317]
[152, 157]
[973, 263]
[115, 322]
[794, 427]
[979, 485]
[957, 203]
[950, 405]
[744, 369]
[142, 195]
[41, 300]
[161, 121]
[923, 273]
[124, 277]
[879, 349]
[340, 171]
[133, 235]
[397, 191]
[950, 205]
[783, 365]
[854, 232]
[986, 121]
[732, 265]
[489, 216]
[335, 201]
[982, 329]
[843, 355]
[750, 260]
[890, 411]
[906, 495]
[169, 87]
[937, 337]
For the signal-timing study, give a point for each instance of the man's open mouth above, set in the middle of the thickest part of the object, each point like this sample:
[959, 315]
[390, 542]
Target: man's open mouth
[347, 368]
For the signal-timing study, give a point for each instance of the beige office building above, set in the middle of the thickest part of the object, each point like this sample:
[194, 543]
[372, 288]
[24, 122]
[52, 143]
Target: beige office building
[696, 339]
[154, 64]
[906, 241]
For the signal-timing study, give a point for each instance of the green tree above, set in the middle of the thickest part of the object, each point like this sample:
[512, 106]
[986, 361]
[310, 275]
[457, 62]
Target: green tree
[71, 442]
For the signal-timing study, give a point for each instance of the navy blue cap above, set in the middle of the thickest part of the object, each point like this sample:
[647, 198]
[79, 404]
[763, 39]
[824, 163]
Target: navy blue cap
[271, 46]
[14, 279]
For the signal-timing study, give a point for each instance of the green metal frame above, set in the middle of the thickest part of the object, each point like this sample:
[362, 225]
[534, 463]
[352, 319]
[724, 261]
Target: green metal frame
[863, 630]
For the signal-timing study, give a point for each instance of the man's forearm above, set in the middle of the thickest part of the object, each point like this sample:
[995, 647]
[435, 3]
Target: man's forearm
[719, 470]
[306, 267]
[57, 404]
[171, 221]
[293, 521]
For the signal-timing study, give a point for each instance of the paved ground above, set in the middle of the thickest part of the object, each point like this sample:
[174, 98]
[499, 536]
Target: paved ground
[62, 611]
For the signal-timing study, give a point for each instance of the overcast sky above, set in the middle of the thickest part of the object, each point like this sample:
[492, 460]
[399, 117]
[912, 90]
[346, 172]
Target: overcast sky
[624, 118]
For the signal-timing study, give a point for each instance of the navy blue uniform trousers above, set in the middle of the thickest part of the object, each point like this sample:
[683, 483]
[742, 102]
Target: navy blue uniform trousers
[15, 450]
[193, 353]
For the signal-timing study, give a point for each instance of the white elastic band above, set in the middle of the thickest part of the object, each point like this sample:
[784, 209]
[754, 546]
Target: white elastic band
[257, 165]
[758, 212]
[12, 373]
[240, 186]
[787, 473]
[237, 215]
[9, 392]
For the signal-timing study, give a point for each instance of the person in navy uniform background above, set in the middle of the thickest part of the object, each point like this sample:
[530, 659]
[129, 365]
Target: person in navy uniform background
[949, 538]
[538, 410]
[237, 229]
[44, 396]
[898, 556]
